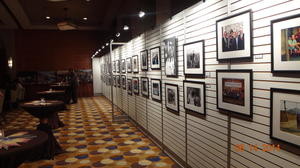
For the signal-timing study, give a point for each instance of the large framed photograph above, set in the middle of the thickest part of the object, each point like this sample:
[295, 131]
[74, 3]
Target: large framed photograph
[118, 66]
[135, 64]
[172, 98]
[285, 115]
[123, 66]
[155, 58]
[144, 60]
[129, 86]
[194, 59]
[118, 81]
[135, 83]
[194, 97]
[124, 82]
[170, 53]
[156, 90]
[145, 86]
[234, 91]
[234, 36]
[129, 65]
[285, 35]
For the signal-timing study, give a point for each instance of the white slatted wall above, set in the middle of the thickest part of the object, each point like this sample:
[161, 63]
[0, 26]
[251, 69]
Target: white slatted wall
[204, 142]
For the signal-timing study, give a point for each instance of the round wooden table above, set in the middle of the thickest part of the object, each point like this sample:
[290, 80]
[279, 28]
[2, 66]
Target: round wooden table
[53, 95]
[34, 149]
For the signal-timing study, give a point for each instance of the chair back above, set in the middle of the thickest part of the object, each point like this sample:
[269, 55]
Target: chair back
[2, 96]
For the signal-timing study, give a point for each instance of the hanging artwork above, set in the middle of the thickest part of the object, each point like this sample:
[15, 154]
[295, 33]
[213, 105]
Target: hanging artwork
[285, 35]
[118, 81]
[170, 53]
[155, 58]
[123, 66]
[129, 86]
[115, 81]
[144, 60]
[285, 115]
[124, 82]
[194, 97]
[114, 66]
[135, 83]
[234, 91]
[129, 65]
[172, 98]
[135, 64]
[156, 90]
[194, 59]
[118, 66]
[234, 36]
[145, 86]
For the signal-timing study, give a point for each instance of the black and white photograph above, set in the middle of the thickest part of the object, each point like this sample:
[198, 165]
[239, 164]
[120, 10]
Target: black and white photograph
[124, 82]
[234, 91]
[135, 83]
[285, 35]
[115, 81]
[172, 97]
[155, 58]
[234, 36]
[285, 115]
[144, 60]
[129, 86]
[123, 66]
[194, 97]
[194, 59]
[135, 64]
[118, 81]
[170, 53]
[118, 66]
[156, 90]
[129, 65]
[145, 86]
[114, 66]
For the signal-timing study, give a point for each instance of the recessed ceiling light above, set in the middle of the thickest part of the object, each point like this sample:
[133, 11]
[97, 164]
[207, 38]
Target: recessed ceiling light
[48, 17]
[85, 18]
[118, 35]
[103, 47]
[87, 0]
[141, 14]
[125, 27]
[106, 44]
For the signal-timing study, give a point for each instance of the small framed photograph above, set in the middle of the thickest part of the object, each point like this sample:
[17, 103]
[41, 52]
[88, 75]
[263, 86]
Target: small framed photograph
[118, 66]
[285, 115]
[172, 98]
[285, 40]
[156, 90]
[155, 58]
[124, 82]
[118, 81]
[144, 60]
[114, 66]
[234, 36]
[129, 86]
[123, 66]
[194, 64]
[129, 65]
[170, 53]
[194, 97]
[135, 64]
[145, 86]
[135, 82]
[234, 91]
[115, 81]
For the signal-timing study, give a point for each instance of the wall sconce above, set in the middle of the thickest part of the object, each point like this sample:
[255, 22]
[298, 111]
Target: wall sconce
[10, 63]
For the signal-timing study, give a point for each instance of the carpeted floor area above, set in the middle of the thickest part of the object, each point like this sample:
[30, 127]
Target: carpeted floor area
[92, 140]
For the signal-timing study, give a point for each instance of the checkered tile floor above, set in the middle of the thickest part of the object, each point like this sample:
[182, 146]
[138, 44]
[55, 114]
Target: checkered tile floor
[91, 139]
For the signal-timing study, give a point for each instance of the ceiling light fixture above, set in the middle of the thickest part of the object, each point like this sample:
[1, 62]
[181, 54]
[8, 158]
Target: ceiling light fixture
[107, 44]
[85, 18]
[103, 47]
[48, 17]
[142, 14]
[118, 35]
[126, 27]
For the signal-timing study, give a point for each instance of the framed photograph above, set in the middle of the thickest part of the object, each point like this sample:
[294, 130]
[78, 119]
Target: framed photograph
[234, 91]
[155, 58]
[118, 81]
[135, 64]
[156, 90]
[172, 98]
[135, 83]
[234, 36]
[170, 53]
[144, 60]
[124, 82]
[145, 86]
[194, 59]
[129, 65]
[285, 115]
[114, 66]
[194, 96]
[129, 86]
[123, 66]
[118, 66]
[285, 35]
[115, 81]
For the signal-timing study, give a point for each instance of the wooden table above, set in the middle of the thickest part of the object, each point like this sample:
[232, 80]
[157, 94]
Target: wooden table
[53, 95]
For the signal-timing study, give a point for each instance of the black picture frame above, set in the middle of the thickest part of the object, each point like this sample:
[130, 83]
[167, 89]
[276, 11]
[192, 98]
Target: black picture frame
[114, 81]
[135, 85]
[129, 86]
[124, 82]
[129, 65]
[169, 93]
[192, 109]
[114, 66]
[155, 50]
[171, 57]
[118, 78]
[117, 66]
[289, 98]
[194, 72]
[156, 98]
[145, 94]
[278, 65]
[123, 65]
[135, 64]
[231, 51]
[242, 109]
[144, 59]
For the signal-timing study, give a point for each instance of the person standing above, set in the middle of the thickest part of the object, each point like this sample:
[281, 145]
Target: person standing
[73, 82]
